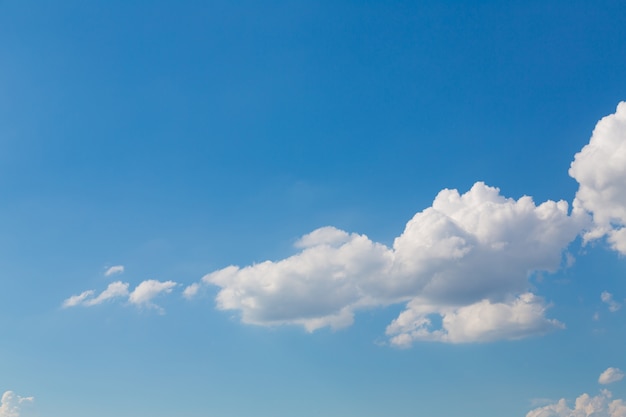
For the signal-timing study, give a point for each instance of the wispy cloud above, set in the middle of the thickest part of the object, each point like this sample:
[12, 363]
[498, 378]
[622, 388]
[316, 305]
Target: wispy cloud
[607, 298]
[117, 269]
[146, 291]
[142, 295]
[11, 404]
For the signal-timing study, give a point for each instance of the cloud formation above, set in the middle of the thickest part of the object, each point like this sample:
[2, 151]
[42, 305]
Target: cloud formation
[610, 375]
[141, 296]
[10, 404]
[600, 169]
[461, 266]
[466, 255]
[117, 269]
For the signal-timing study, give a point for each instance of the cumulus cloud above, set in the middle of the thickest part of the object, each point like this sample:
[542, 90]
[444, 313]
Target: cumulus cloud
[585, 405]
[142, 295]
[607, 298]
[610, 375]
[468, 255]
[117, 269]
[10, 404]
[600, 169]
[479, 322]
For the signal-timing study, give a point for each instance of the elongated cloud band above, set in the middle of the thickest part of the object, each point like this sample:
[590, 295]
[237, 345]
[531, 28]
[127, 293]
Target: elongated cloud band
[141, 296]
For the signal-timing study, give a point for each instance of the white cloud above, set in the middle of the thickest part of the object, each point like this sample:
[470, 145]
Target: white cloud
[142, 295]
[146, 291]
[191, 291]
[479, 322]
[117, 269]
[467, 254]
[610, 375]
[585, 406]
[114, 290]
[607, 298]
[79, 299]
[600, 169]
[10, 404]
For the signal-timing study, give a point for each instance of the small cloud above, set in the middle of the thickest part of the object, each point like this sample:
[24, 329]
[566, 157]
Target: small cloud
[191, 291]
[596, 316]
[146, 291]
[117, 269]
[75, 300]
[607, 298]
[142, 295]
[87, 299]
[11, 404]
[610, 375]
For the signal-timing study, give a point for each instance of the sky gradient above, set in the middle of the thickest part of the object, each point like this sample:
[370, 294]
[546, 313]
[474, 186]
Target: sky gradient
[312, 209]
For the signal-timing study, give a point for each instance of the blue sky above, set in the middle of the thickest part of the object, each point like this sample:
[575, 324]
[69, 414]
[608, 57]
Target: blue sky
[312, 208]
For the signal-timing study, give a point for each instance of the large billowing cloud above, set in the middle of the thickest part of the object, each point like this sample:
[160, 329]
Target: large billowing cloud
[10, 404]
[466, 260]
[600, 169]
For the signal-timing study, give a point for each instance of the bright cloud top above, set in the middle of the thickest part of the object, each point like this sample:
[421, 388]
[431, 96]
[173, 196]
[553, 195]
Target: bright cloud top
[600, 169]
[142, 295]
[117, 269]
[466, 259]
[610, 375]
[10, 404]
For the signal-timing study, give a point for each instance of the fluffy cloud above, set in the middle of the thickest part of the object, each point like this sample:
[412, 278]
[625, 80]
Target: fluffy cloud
[117, 269]
[479, 322]
[607, 298]
[610, 375]
[142, 295]
[10, 404]
[600, 169]
[467, 256]
[585, 406]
